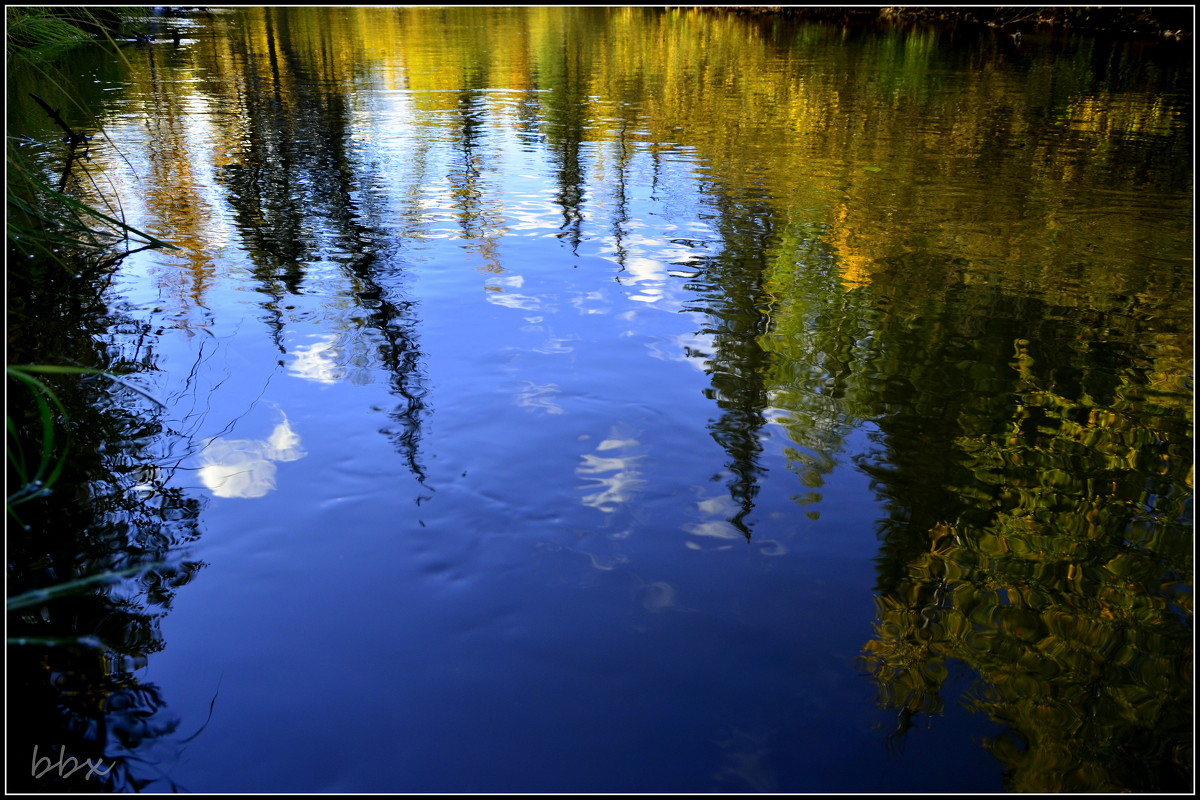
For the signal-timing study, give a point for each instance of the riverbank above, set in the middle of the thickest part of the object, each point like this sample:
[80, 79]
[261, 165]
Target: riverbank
[1174, 23]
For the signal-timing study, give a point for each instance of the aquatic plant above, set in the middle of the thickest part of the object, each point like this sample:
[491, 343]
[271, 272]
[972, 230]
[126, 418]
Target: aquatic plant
[34, 481]
[46, 225]
[45, 221]
[34, 34]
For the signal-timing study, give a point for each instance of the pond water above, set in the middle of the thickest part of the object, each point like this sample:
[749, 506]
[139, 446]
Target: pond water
[618, 400]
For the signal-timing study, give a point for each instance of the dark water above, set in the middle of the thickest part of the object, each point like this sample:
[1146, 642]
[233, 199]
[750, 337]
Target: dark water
[618, 400]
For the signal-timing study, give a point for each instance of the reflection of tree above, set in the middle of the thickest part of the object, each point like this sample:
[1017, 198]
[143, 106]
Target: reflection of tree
[732, 287]
[399, 356]
[820, 374]
[171, 184]
[268, 195]
[1033, 469]
[479, 217]
[1034, 535]
[1034, 462]
[112, 511]
[618, 181]
[297, 190]
[566, 118]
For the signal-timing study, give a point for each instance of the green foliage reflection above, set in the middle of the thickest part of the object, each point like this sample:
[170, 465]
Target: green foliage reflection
[1046, 550]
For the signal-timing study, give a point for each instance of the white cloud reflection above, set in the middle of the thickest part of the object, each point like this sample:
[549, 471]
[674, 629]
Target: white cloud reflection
[246, 467]
[538, 396]
[613, 475]
[315, 362]
[520, 301]
[719, 506]
[648, 275]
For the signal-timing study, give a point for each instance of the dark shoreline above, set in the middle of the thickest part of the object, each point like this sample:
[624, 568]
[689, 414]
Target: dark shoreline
[1172, 23]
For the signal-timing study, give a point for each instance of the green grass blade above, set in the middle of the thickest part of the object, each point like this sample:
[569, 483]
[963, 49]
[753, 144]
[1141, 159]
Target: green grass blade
[78, 586]
[59, 370]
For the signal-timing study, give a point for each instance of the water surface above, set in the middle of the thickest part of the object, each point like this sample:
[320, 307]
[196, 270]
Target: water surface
[629, 400]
